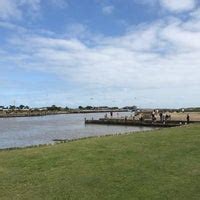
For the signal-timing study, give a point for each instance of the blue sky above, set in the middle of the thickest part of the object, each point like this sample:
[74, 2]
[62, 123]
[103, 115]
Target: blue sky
[100, 52]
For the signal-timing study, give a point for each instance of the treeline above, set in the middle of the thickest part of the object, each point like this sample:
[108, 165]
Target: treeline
[56, 108]
[59, 108]
[97, 108]
[197, 109]
[12, 107]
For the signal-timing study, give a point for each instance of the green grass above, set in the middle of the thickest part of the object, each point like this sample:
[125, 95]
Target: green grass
[162, 164]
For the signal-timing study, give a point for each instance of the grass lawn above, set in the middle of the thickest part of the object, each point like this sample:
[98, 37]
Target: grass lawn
[162, 164]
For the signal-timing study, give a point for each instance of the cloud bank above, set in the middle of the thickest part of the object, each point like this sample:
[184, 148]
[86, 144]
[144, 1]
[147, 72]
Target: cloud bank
[107, 10]
[134, 67]
[178, 6]
[13, 9]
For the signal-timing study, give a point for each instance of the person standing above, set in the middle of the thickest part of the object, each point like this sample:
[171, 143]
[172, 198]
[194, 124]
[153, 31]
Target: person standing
[161, 116]
[111, 114]
[188, 118]
[153, 116]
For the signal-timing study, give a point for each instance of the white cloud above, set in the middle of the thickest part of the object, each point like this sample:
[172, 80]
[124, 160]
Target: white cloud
[17, 9]
[107, 10]
[12, 27]
[140, 58]
[163, 56]
[171, 5]
[178, 5]
[196, 14]
[8, 8]
[13, 9]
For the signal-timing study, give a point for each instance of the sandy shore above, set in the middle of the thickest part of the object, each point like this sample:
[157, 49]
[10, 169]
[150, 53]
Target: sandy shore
[175, 116]
[194, 116]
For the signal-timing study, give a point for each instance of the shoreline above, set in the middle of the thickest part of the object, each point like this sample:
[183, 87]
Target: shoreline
[62, 141]
[46, 113]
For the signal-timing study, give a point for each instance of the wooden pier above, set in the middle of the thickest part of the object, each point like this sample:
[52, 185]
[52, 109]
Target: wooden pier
[128, 122]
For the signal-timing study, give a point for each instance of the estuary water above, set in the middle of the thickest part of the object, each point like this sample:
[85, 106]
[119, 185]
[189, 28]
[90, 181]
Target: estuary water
[28, 131]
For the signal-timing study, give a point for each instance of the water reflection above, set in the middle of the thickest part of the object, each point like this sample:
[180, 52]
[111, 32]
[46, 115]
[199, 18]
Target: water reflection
[21, 132]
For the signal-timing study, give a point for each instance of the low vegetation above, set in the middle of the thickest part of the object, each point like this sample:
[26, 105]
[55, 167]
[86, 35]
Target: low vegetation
[162, 164]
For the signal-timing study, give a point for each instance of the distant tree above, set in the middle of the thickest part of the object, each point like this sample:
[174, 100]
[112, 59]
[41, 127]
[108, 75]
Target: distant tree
[66, 108]
[115, 108]
[11, 107]
[130, 107]
[21, 107]
[80, 107]
[89, 107]
[54, 108]
[134, 107]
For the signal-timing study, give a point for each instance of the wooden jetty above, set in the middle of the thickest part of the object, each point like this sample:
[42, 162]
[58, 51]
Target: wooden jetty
[128, 122]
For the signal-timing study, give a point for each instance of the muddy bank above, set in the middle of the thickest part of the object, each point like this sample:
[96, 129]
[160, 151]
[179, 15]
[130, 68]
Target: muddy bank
[7, 114]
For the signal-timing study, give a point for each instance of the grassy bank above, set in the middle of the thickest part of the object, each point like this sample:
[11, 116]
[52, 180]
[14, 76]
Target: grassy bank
[163, 164]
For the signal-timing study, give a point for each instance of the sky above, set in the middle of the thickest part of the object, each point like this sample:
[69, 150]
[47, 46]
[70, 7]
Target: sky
[100, 52]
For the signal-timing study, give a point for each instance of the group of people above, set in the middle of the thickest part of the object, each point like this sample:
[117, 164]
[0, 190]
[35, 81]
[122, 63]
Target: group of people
[166, 117]
[163, 117]
[155, 116]
[111, 115]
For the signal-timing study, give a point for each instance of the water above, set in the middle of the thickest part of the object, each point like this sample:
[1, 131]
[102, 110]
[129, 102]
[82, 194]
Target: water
[28, 131]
